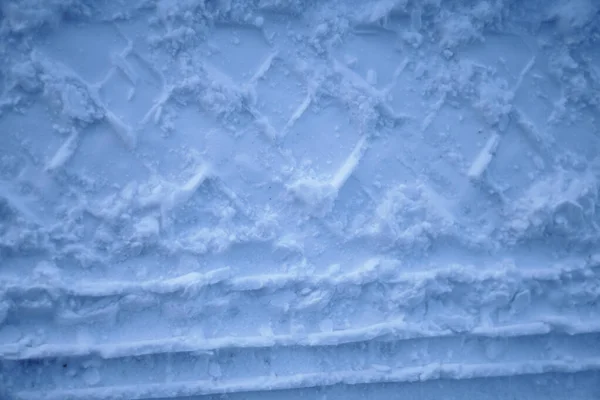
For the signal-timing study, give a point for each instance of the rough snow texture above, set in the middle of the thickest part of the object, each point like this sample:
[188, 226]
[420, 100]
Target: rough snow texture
[337, 199]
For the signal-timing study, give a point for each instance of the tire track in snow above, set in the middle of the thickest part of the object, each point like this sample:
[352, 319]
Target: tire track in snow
[361, 111]
[385, 352]
[442, 301]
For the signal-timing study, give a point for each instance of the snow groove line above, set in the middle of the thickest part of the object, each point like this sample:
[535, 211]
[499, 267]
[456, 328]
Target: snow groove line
[386, 331]
[499, 288]
[372, 271]
[476, 289]
[434, 371]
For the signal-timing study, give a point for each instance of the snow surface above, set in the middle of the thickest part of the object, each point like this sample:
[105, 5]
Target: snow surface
[284, 199]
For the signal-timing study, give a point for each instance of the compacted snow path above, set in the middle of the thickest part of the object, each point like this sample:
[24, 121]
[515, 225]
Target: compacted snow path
[268, 199]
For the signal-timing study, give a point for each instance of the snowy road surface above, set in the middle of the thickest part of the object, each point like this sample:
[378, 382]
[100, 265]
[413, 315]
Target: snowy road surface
[285, 199]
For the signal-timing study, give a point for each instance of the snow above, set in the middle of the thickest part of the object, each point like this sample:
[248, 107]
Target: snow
[274, 199]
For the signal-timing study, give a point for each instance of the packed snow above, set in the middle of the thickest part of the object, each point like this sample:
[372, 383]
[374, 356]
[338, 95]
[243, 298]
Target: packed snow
[285, 199]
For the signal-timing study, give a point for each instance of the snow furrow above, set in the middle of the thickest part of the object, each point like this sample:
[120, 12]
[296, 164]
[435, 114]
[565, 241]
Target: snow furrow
[384, 331]
[425, 303]
[374, 271]
[269, 383]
